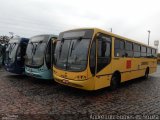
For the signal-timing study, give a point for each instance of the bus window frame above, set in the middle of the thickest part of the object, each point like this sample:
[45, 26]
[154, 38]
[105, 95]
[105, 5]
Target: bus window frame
[50, 43]
[46, 52]
[96, 37]
[91, 44]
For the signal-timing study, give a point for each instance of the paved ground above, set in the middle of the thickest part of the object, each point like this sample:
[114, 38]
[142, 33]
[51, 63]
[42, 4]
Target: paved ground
[23, 97]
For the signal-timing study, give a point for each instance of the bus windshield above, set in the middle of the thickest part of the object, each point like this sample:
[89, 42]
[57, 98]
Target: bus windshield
[71, 53]
[11, 50]
[36, 50]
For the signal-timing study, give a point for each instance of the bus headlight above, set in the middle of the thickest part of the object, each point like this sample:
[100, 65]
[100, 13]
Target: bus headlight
[41, 69]
[55, 72]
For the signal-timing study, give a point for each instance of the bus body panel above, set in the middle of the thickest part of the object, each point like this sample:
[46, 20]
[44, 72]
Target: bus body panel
[137, 68]
[102, 78]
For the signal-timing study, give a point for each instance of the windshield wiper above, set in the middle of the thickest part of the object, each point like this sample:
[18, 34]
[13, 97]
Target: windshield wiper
[34, 50]
[74, 45]
[71, 49]
[12, 47]
[60, 50]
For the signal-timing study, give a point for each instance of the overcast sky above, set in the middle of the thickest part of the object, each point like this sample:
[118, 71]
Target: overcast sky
[129, 18]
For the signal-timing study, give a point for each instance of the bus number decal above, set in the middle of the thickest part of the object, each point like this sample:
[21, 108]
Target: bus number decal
[129, 63]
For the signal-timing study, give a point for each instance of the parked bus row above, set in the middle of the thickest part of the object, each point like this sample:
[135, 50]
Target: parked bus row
[30, 56]
[88, 59]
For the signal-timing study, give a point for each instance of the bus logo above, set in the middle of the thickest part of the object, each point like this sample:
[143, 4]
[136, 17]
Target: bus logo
[128, 64]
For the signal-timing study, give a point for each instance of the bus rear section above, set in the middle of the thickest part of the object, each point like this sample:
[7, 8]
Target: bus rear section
[14, 55]
[38, 57]
[92, 59]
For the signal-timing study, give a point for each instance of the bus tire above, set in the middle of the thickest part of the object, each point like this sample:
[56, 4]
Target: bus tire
[146, 73]
[115, 81]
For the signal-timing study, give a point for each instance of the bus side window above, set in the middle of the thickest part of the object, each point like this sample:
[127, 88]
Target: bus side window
[149, 52]
[154, 53]
[129, 49]
[119, 48]
[104, 52]
[137, 50]
[143, 51]
[19, 51]
[92, 60]
[23, 49]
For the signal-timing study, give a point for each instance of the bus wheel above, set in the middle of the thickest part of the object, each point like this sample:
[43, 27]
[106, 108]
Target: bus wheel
[146, 73]
[115, 81]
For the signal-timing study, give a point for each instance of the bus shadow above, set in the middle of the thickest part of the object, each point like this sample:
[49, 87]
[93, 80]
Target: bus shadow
[16, 76]
[70, 91]
[42, 81]
[32, 80]
[2, 69]
[81, 93]
[126, 84]
[107, 90]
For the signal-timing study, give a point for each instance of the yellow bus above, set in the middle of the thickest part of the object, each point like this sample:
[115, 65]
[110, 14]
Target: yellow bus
[92, 59]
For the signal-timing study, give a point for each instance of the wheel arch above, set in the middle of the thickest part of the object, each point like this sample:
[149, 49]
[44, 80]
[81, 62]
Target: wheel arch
[117, 73]
[147, 69]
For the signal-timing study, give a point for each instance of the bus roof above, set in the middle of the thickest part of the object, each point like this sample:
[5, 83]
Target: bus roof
[17, 39]
[42, 37]
[114, 35]
[51, 35]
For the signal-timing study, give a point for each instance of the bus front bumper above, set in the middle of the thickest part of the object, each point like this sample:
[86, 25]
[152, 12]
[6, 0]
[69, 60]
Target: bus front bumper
[45, 75]
[14, 69]
[87, 84]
